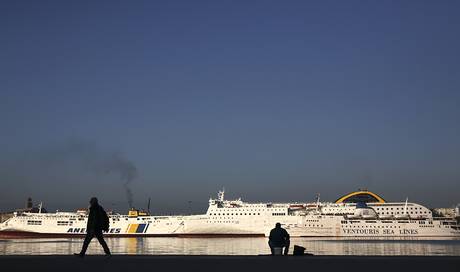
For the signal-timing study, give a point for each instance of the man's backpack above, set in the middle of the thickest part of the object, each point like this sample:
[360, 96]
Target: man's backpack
[105, 220]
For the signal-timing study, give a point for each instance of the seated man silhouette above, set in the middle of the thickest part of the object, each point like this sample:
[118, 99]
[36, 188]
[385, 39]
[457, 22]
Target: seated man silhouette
[279, 237]
[97, 222]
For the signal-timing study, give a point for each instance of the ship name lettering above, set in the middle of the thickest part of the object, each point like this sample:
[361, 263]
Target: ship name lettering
[408, 232]
[362, 231]
[76, 230]
[388, 231]
[114, 230]
[83, 230]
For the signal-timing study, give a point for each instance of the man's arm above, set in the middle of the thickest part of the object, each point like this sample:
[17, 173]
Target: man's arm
[286, 235]
[90, 222]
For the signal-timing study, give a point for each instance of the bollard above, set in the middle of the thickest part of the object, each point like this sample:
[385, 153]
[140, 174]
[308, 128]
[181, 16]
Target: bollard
[298, 250]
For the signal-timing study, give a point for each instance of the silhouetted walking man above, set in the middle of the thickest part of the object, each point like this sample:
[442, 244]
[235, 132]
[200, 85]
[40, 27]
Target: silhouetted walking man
[279, 237]
[97, 222]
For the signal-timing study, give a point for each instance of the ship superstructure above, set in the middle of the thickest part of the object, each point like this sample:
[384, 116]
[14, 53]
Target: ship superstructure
[359, 214]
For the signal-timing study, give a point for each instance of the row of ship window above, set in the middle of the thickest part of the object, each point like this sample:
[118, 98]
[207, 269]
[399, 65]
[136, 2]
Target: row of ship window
[273, 214]
[51, 218]
[401, 212]
[229, 214]
[408, 208]
[233, 222]
[368, 221]
[64, 223]
[255, 210]
[375, 227]
[234, 214]
[59, 223]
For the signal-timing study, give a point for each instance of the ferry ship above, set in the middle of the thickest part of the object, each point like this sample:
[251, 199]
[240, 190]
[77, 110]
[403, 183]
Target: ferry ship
[358, 214]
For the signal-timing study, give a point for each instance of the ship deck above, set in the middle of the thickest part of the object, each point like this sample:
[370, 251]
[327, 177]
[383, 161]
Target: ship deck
[229, 263]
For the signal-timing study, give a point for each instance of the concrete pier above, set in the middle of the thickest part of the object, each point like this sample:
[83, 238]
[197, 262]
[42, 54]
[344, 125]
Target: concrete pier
[168, 263]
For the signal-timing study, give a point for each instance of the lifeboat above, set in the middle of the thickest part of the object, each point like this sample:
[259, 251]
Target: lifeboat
[296, 206]
[311, 205]
[386, 216]
[135, 213]
[82, 211]
[402, 216]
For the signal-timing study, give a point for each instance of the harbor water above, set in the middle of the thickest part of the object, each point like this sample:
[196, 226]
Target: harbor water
[232, 246]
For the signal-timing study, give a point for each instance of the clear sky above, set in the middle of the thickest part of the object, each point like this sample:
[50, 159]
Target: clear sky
[273, 100]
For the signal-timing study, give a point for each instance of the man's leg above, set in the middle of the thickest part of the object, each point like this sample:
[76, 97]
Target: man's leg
[286, 247]
[101, 240]
[270, 244]
[88, 237]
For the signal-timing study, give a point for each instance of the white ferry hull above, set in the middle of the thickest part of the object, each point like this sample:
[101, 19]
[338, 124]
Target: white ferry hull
[297, 226]
[237, 218]
[335, 226]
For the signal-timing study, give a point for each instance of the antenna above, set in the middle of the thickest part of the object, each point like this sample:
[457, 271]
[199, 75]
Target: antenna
[148, 206]
[405, 206]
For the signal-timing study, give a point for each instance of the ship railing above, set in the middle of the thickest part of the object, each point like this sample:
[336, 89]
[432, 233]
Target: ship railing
[442, 218]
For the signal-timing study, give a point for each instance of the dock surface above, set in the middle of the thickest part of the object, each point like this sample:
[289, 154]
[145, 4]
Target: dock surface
[127, 263]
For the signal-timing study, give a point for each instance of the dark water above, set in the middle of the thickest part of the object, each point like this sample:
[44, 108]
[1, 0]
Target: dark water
[231, 246]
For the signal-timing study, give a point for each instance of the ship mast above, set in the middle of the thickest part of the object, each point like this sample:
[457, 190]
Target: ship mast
[317, 201]
[220, 195]
[405, 206]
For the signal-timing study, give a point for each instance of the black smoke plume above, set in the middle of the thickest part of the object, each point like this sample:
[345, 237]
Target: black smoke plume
[125, 168]
[73, 157]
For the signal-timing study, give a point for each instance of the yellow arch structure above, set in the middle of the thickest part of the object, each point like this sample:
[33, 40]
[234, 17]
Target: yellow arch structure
[343, 198]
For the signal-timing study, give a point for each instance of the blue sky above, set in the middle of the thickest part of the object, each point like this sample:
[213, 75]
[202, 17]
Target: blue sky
[275, 100]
